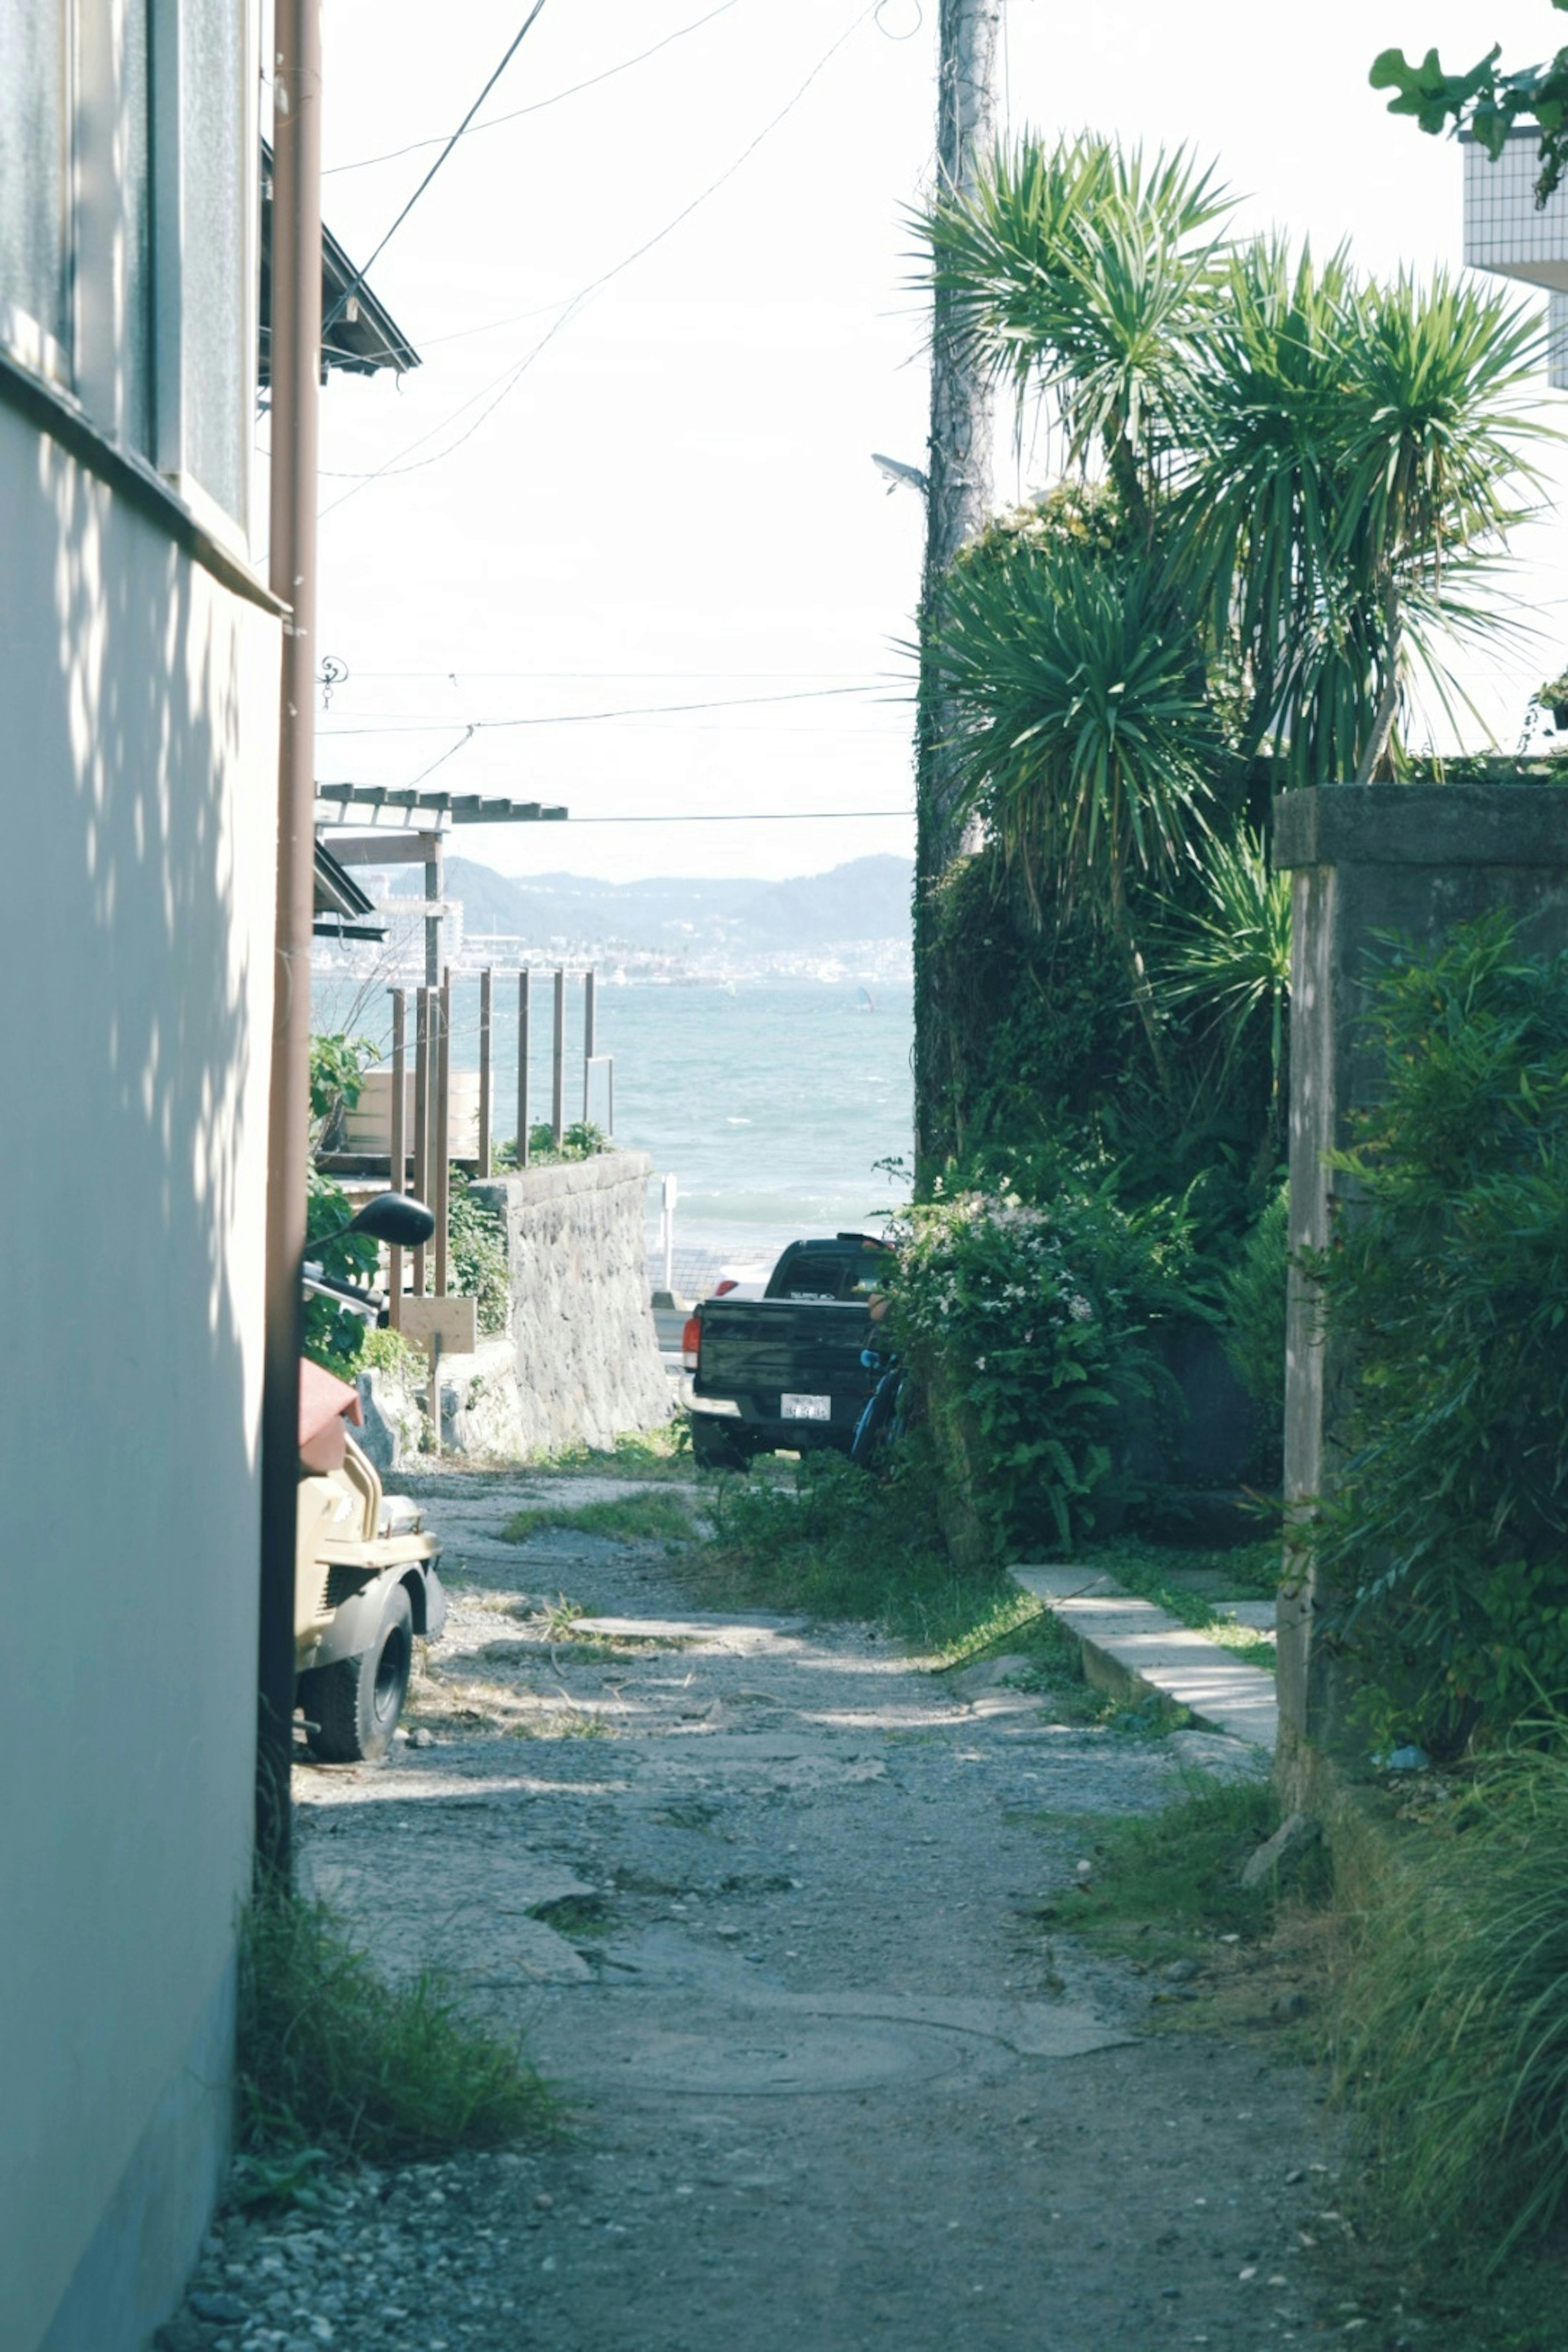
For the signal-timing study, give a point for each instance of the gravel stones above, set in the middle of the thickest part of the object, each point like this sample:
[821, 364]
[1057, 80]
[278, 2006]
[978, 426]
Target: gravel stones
[791, 1845]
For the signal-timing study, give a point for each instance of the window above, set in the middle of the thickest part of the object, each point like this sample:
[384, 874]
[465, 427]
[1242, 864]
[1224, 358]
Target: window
[128, 192]
[215, 308]
[35, 182]
[836, 1273]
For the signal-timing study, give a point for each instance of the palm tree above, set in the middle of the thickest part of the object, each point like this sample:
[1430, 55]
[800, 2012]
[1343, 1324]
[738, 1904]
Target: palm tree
[1357, 458]
[1306, 478]
[1086, 274]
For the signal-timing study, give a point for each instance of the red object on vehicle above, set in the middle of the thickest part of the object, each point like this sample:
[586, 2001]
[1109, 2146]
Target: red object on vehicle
[690, 1340]
[729, 1282]
[324, 1400]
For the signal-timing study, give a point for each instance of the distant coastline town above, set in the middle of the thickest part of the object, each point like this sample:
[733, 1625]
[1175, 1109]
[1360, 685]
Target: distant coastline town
[851, 924]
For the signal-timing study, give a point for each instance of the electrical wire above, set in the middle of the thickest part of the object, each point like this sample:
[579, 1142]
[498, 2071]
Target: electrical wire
[584, 718]
[751, 817]
[754, 817]
[357, 280]
[725, 816]
[453, 674]
[501, 386]
[539, 105]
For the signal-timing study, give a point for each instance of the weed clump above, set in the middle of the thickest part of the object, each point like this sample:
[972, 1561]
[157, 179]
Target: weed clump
[1453, 2041]
[1161, 1878]
[833, 1541]
[649, 1518]
[333, 2059]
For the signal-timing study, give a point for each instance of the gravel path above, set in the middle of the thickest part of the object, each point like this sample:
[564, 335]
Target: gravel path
[764, 1899]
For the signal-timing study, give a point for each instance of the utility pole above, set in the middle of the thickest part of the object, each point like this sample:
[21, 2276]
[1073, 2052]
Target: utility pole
[958, 504]
[295, 360]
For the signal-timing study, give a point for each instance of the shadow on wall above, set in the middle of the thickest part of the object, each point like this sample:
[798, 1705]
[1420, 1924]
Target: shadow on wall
[138, 745]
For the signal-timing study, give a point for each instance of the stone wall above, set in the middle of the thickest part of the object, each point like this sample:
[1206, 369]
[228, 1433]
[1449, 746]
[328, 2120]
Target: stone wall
[581, 1329]
[1373, 862]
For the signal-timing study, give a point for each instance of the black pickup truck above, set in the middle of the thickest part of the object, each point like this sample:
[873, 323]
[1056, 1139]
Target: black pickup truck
[782, 1372]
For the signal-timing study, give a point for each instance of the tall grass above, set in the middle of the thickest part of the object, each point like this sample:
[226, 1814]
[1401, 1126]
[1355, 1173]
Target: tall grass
[836, 1542]
[1454, 2027]
[332, 2058]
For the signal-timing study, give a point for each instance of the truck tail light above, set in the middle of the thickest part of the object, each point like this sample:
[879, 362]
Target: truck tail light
[690, 1340]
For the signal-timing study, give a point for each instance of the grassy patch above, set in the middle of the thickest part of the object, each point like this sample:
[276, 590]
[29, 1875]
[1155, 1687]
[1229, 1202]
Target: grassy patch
[1159, 1881]
[652, 1454]
[651, 1518]
[1453, 2026]
[333, 2059]
[833, 1542]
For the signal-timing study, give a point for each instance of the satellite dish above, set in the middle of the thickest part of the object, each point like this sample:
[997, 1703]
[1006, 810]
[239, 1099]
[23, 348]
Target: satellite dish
[897, 471]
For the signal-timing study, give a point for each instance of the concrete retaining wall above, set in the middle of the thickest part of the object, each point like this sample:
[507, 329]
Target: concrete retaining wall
[1370, 862]
[581, 1329]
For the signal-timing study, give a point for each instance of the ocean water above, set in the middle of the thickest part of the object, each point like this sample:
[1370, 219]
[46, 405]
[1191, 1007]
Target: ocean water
[769, 1100]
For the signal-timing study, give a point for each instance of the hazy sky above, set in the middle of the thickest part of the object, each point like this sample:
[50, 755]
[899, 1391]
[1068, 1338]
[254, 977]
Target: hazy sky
[674, 502]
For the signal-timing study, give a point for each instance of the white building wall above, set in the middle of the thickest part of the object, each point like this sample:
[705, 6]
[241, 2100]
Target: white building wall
[138, 754]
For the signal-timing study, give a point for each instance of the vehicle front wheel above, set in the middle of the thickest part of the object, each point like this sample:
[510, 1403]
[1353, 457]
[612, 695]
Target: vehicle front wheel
[715, 1445]
[353, 1705]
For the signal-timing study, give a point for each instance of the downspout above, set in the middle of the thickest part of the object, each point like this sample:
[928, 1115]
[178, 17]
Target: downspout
[295, 360]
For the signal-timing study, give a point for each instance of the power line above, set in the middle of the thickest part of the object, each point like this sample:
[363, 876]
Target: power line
[756, 816]
[357, 280]
[501, 386]
[584, 718]
[453, 675]
[750, 816]
[539, 104]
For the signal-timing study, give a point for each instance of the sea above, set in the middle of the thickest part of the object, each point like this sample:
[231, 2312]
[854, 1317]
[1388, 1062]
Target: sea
[770, 1100]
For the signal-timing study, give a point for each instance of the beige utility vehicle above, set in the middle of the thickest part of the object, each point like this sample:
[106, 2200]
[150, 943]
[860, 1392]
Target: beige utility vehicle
[365, 1585]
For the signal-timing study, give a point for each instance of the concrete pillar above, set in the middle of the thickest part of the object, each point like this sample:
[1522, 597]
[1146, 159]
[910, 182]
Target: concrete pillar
[1370, 862]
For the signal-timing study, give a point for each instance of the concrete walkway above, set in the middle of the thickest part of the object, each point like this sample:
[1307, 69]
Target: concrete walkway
[1130, 1644]
[788, 1922]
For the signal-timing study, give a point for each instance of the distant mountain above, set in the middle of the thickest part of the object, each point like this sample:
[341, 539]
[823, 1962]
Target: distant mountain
[869, 898]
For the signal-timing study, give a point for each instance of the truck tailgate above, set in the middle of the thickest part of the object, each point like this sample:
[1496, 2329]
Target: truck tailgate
[762, 1348]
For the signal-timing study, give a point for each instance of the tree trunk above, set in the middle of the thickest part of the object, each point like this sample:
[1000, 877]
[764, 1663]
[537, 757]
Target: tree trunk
[1388, 700]
[958, 501]
[1142, 993]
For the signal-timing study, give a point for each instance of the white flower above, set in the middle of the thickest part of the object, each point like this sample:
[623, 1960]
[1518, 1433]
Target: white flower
[1080, 1310]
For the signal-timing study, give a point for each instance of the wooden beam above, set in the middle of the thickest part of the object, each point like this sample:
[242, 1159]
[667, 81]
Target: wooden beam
[401, 847]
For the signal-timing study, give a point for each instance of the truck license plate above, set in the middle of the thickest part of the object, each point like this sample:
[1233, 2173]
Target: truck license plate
[807, 1408]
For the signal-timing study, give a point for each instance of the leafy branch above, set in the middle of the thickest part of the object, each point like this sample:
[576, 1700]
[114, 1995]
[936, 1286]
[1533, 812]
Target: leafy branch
[1486, 102]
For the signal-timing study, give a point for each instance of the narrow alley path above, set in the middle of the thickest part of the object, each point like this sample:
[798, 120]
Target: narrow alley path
[764, 1900]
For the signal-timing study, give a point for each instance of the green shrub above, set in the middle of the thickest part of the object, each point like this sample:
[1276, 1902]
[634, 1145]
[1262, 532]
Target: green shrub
[1252, 1297]
[581, 1140]
[1029, 1327]
[477, 1247]
[1445, 1543]
[332, 2058]
[1252, 1300]
[1453, 2026]
[338, 1065]
[390, 1352]
[333, 1336]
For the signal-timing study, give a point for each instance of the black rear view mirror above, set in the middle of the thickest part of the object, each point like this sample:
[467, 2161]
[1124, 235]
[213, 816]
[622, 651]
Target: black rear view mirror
[396, 1218]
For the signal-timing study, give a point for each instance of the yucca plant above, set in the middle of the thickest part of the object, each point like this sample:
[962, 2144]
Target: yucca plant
[1231, 959]
[1356, 451]
[1087, 732]
[1085, 273]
